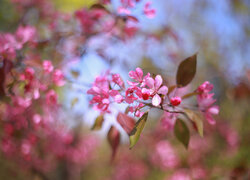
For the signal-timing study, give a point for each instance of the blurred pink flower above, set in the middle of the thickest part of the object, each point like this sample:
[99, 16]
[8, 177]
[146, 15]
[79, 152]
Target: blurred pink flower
[168, 120]
[51, 97]
[164, 155]
[25, 34]
[181, 174]
[150, 13]
[47, 66]
[137, 75]
[58, 77]
[206, 101]
[116, 78]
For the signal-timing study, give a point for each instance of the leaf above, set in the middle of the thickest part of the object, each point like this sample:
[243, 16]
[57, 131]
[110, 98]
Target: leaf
[181, 132]
[126, 122]
[98, 123]
[171, 88]
[74, 101]
[114, 140]
[196, 119]
[75, 73]
[186, 71]
[134, 135]
[127, 110]
[189, 95]
[98, 6]
[132, 18]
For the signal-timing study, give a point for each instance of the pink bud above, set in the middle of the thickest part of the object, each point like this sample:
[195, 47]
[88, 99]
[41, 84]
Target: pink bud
[175, 101]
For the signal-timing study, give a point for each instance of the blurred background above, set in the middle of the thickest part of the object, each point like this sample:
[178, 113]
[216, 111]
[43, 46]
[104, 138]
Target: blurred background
[218, 30]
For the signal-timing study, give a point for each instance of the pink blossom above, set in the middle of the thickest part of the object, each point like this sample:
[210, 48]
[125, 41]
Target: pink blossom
[22, 102]
[206, 87]
[128, 3]
[25, 148]
[25, 34]
[213, 110]
[168, 120]
[47, 66]
[131, 92]
[175, 101]
[156, 88]
[58, 77]
[28, 74]
[102, 102]
[150, 13]
[205, 101]
[130, 168]
[51, 97]
[164, 155]
[198, 172]
[117, 96]
[101, 93]
[87, 19]
[8, 129]
[116, 78]
[180, 175]
[37, 118]
[123, 10]
[136, 109]
[137, 75]
[8, 46]
[36, 94]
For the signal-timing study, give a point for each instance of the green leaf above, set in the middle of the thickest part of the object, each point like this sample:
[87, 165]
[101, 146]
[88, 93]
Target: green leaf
[186, 71]
[196, 119]
[134, 135]
[98, 123]
[181, 132]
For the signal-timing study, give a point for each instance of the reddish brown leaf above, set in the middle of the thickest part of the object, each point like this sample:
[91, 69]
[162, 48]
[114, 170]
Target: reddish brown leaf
[114, 140]
[186, 71]
[126, 122]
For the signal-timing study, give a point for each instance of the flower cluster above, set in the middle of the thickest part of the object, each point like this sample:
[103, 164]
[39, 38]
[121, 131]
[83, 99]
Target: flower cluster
[110, 88]
[143, 91]
[205, 101]
[11, 43]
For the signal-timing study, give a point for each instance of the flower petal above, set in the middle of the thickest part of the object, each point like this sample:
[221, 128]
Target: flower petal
[139, 72]
[150, 82]
[156, 100]
[210, 119]
[158, 81]
[214, 110]
[163, 90]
